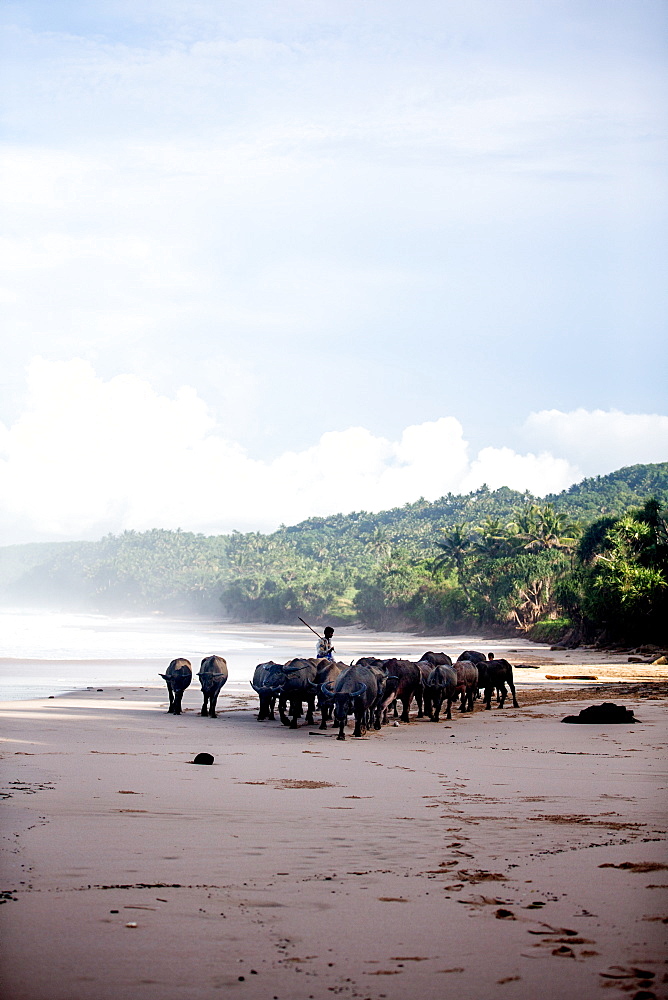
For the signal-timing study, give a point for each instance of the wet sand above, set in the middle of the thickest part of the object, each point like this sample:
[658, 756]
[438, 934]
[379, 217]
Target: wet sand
[502, 854]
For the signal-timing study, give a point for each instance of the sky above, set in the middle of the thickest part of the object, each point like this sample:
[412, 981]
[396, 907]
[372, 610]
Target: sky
[269, 260]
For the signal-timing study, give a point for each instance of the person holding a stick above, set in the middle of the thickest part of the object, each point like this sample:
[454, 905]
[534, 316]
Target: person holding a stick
[324, 649]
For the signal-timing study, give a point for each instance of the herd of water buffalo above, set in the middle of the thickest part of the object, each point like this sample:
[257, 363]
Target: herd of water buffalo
[364, 690]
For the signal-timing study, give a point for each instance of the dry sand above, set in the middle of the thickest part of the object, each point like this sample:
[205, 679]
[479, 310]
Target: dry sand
[500, 855]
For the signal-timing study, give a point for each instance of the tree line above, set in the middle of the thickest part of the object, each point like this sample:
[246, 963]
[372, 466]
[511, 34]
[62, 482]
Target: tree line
[592, 560]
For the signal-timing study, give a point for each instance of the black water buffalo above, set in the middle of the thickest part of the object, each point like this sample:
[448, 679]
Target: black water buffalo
[268, 681]
[178, 677]
[212, 676]
[300, 675]
[436, 659]
[472, 655]
[423, 695]
[498, 673]
[441, 685]
[354, 692]
[326, 673]
[467, 683]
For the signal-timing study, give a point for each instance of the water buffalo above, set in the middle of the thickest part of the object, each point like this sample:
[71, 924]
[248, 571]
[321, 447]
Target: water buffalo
[498, 673]
[178, 677]
[441, 684]
[408, 683]
[326, 673]
[467, 683]
[212, 675]
[436, 659]
[268, 681]
[423, 695]
[298, 688]
[354, 692]
[472, 655]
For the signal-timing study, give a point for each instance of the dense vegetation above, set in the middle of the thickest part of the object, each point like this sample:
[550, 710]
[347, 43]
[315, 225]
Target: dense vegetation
[593, 558]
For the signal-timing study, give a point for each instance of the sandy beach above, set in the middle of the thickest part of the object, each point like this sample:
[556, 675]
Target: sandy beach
[503, 854]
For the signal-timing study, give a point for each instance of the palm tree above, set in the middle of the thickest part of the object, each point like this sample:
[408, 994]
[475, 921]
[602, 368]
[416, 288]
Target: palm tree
[538, 528]
[455, 548]
[492, 538]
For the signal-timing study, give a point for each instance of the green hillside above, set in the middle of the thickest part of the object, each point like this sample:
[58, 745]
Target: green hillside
[487, 559]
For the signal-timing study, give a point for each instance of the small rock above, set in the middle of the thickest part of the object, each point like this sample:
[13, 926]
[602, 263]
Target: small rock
[131, 924]
[203, 758]
[505, 915]
[660, 661]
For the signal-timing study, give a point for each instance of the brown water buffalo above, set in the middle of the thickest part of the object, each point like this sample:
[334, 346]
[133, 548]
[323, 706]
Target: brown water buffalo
[408, 683]
[212, 676]
[178, 677]
[467, 683]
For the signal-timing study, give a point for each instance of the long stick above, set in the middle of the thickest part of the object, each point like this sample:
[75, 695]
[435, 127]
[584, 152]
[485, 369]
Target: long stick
[308, 626]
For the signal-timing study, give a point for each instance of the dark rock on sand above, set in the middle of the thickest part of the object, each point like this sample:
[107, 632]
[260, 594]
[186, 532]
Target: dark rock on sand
[606, 714]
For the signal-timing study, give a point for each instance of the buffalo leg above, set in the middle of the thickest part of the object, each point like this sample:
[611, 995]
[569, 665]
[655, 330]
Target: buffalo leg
[213, 699]
[282, 705]
[359, 721]
[512, 688]
[342, 726]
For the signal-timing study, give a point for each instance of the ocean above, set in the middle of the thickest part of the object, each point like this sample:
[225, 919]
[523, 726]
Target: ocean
[49, 652]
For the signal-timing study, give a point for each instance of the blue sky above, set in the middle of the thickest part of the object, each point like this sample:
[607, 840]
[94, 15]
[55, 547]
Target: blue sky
[361, 251]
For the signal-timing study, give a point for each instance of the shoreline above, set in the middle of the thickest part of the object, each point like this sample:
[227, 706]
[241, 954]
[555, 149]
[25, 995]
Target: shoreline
[487, 856]
[533, 661]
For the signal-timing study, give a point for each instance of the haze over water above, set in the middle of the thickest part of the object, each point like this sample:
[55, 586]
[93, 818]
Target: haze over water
[48, 652]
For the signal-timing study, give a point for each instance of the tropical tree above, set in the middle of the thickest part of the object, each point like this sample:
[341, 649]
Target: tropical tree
[455, 547]
[538, 528]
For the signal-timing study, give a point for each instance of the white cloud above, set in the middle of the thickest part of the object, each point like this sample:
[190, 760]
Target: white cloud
[88, 456]
[600, 441]
[540, 474]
